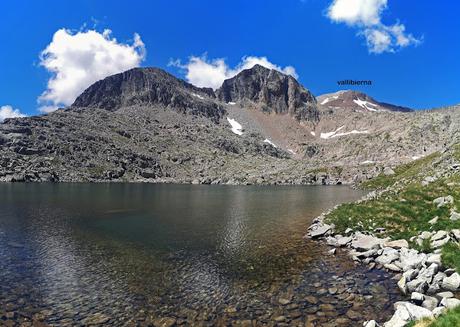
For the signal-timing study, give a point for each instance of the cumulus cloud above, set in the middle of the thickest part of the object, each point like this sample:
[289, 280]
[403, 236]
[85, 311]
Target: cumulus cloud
[204, 72]
[9, 112]
[367, 16]
[77, 60]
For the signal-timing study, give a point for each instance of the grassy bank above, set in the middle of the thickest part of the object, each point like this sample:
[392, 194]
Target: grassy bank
[405, 208]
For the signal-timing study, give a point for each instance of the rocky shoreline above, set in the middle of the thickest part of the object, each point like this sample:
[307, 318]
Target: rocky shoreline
[430, 287]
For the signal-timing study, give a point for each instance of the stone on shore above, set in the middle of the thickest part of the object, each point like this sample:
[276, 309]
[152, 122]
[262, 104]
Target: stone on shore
[397, 244]
[343, 240]
[410, 259]
[450, 303]
[366, 242]
[451, 283]
[430, 302]
[319, 230]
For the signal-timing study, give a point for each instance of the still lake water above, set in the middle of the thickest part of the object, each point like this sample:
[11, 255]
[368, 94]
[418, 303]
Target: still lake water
[81, 254]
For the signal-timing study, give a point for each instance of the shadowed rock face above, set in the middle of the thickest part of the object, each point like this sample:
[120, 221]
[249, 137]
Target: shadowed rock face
[270, 91]
[150, 86]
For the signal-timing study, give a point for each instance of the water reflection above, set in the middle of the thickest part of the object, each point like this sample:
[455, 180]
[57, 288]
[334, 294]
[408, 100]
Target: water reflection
[125, 252]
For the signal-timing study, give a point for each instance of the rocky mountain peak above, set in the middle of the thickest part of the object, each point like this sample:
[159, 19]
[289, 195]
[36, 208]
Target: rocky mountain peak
[149, 87]
[358, 101]
[270, 91]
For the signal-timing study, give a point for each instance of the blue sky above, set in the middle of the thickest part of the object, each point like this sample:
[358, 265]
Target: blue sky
[321, 47]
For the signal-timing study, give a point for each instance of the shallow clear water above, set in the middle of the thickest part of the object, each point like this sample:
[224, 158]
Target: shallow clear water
[200, 255]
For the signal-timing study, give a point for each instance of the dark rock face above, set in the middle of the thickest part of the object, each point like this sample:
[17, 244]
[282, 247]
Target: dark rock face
[150, 86]
[271, 91]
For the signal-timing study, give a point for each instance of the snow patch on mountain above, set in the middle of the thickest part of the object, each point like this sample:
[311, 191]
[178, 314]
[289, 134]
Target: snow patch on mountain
[329, 99]
[270, 142]
[333, 134]
[198, 96]
[236, 127]
[330, 134]
[313, 133]
[366, 104]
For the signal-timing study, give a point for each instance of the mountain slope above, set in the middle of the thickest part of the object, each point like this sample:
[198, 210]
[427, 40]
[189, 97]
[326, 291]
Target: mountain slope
[260, 127]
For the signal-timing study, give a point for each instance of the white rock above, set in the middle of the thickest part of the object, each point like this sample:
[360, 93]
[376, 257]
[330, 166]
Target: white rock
[429, 272]
[410, 259]
[366, 242]
[417, 297]
[456, 233]
[443, 200]
[410, 274]
[454, 215]
[370, 323]
[433, 221]
[439, 235]
[397, 244]
[440, 243]
[414, 311]
[392, 267]
[402, 285]
[446, 294]
[434, 258]
[343, 240]
[450, 303]
[430, 302]
[451, 283]
[438, 311]
[331, 251]
[319, 230]
[399, 319]
[388, 256]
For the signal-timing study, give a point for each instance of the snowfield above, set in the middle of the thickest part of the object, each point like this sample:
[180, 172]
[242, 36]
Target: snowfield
[236, 127]
[366, 105]
[333, 134]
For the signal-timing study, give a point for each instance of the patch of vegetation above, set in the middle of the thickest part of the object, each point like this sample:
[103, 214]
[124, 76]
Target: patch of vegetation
[403, 214]
[424, 247]
[406, 171]
[448, 319]
[451, 256]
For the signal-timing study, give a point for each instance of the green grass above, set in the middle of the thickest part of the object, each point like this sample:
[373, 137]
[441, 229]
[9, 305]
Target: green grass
[450, 318]
[404, 213]
[451, 256]
[409, 170]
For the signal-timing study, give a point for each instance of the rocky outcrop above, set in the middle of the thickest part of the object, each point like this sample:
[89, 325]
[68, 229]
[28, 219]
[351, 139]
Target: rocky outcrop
[150, 87]
[421, 275]
[270, 91]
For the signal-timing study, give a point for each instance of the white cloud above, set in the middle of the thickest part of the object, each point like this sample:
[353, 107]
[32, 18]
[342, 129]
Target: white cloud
[9, 112]
[366, 15]
[77, 60]
[211, 73]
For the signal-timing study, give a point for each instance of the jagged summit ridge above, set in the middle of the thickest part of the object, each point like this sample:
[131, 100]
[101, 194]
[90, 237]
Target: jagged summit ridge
[271, 91]
[146, 87]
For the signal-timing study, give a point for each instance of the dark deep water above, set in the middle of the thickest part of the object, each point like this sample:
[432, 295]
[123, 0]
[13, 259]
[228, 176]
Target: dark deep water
[76, 254]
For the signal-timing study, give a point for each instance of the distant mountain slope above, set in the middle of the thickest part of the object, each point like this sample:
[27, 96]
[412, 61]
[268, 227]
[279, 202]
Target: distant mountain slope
[260, 127]
[357, 101]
